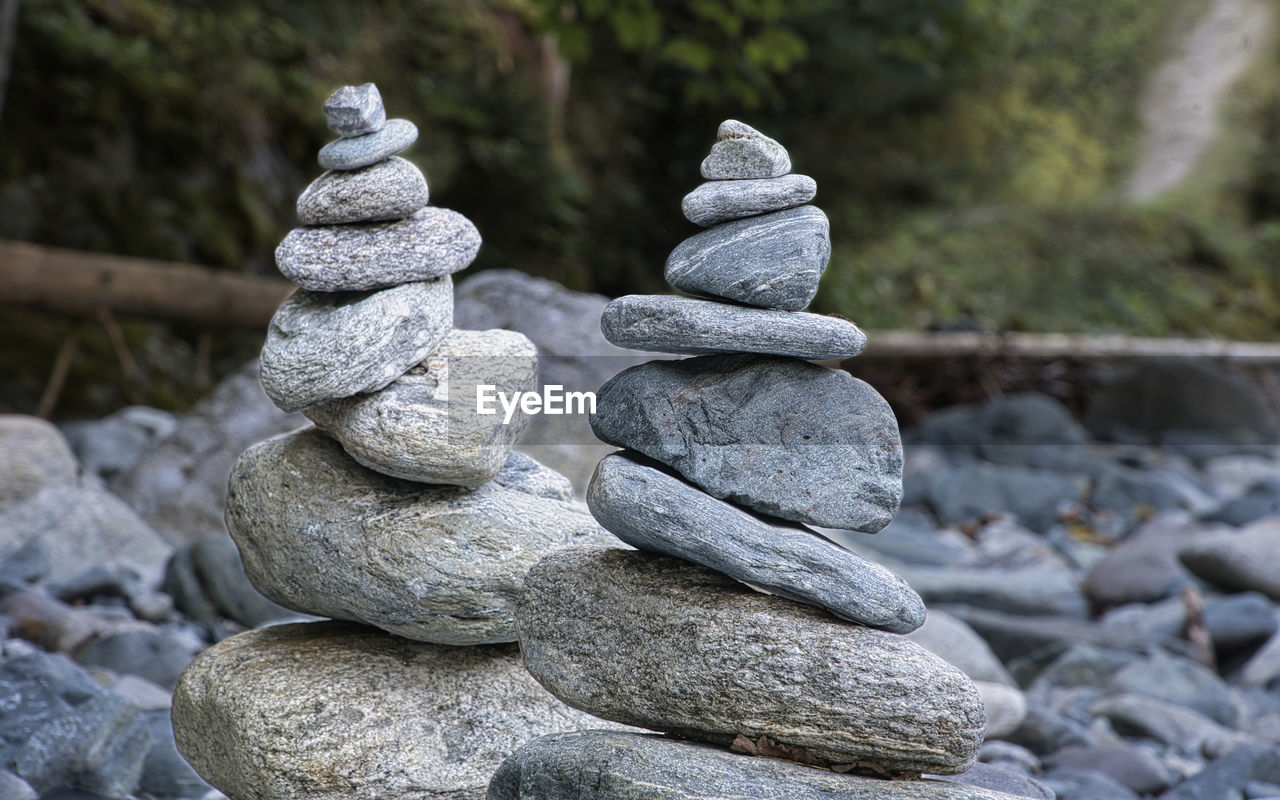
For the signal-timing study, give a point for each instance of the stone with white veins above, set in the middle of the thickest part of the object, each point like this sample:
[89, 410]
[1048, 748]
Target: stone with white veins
[769, 261]
[389, 190]
[425, 426]
[785, 437]
[355, 110]
[667, 645]
[354, 152]
[720, 201]
[321, 534]
[323, 345]
[655, 511]
[353, 258]
[692, 326]
[335, 711]
[741, 151]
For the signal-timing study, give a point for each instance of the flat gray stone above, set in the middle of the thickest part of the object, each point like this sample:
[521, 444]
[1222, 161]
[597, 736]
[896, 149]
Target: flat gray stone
[323, 535]
[1244, 560]
[604, 765]
[720, 201]
[360, 151]
[687, 325]
[961, 646]
[660, 643]
[770, 261]
[432, 243]
[334, 711]
[1026, 591]
[741, 151]
[655, 511]
[322, 345]
[424, 426]
[355, 110]
[391, 189]
[33, 454]
[784, 437]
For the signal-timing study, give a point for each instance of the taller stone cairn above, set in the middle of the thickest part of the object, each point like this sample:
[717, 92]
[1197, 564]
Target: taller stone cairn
[728, 457]
[403, 510]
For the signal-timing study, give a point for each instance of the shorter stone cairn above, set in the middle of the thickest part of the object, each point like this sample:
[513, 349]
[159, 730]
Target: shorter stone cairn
[403, 510]
[729, 457]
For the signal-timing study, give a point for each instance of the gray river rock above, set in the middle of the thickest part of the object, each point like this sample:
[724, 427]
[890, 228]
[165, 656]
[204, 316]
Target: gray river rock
[721, 201]
[355, 110]
[355, 152]
[391, 189]
[741, 151]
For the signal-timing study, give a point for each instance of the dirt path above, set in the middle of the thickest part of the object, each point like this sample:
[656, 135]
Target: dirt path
[1180, 105]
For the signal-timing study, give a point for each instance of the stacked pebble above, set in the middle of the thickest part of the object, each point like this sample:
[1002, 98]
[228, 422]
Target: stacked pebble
[403, 509]
[728, 457]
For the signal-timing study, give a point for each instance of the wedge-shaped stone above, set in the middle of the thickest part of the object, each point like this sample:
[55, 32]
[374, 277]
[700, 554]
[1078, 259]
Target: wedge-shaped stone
[687, 325]
[771, 261]
[785, 437]
[355, 110]
[720, 201]
[391, 189]
[352, 258]
[741, 151]
[323, 535]
[335, 711]
[322, 345]
[425, 426]
[653, 510]
[354, 152]
[660, 643]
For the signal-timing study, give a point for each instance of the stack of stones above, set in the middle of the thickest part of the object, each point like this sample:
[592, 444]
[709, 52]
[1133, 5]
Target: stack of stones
[729, 457]
[403, 510]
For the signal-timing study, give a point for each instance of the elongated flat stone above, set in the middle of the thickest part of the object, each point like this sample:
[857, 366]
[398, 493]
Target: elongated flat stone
[720, 201]
[608, 765]
[355, 110]
[655, 511]
[323, 345]
[323, 535]
[671, 646]
[389, 190]
[770, 261]
[424, 426]
[688, 325]
[353, 258]
[741, 151]
[354, 152]
[335, 711]
[784, 437]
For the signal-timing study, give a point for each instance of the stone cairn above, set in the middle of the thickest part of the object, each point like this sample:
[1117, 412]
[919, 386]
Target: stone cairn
[728, 457]
[403, 510]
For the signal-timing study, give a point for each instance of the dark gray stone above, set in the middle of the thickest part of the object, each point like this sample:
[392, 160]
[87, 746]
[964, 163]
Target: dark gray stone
[355, 110]
[360, 151]
[387, 190]
[1183, 730]
[166, 773]
[602, 765]
[1048, 592]
[323, 535]
[687, 325]
[667, 645]
[114, 444]
[1071, 783]
[432, 243]
[1135, 492]
[1184, 683]
[1230, 773]
[655, 511]
[1240, 621]
[1133, 767]
[323, 345]
[208, 583]
[33, 454]
[1262, 499]
[721, 201]
[1023, 429]
[1248, 560]
[1143, 567]
[770, 261]
[742, 152]
[964, 493]
[1083, 665]
[157, 655]
[27, 562]
[1007, 782]
[785, 437]
[1043, 731]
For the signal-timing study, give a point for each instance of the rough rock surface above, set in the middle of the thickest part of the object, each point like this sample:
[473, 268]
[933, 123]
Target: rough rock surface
[788, 438]
[360, 151]
[355, 110]
[653, 510]
[741, 152]
[721, 201]
[391, 189]
[323, 345]
[666, 645]
[33, 454]
[424, 426]
[1249, 559]
[688, 325]
[323, 535]
[353, 258]
[370, 717]
[604, 765]
[771, 261]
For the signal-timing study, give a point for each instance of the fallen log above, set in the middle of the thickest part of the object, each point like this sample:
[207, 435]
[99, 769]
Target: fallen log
[1087, 347]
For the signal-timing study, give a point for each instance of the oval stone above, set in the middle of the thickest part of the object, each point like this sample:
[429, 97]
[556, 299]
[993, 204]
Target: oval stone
[741, 151]
[354, 152]
[391, 189]
[720, 201]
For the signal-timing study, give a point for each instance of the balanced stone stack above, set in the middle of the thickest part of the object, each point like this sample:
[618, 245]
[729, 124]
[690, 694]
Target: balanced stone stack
[403, 509]
[729, 457]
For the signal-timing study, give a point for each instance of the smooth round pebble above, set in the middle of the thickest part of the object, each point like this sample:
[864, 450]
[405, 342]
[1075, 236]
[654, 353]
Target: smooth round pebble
[389, 190]
[355, 152]
[721, 201]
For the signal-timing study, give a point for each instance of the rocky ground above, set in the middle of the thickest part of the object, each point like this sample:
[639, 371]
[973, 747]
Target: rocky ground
[1111, 582]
